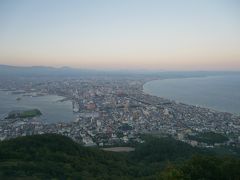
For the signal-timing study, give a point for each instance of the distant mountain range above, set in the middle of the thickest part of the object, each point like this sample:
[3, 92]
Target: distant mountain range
[46, 71]
[7, 70]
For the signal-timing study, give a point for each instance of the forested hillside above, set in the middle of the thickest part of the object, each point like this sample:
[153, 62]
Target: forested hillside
[54, 156]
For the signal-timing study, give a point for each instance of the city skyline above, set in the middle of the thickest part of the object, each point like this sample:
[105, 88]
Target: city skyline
[151, 35]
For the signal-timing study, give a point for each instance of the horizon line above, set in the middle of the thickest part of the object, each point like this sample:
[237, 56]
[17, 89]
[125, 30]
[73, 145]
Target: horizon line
[121, 69]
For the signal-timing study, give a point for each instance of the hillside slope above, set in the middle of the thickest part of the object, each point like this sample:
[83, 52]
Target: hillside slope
[54, 156]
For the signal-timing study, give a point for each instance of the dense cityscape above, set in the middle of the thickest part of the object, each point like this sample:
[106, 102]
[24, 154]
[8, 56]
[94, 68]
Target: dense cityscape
[113, 111]
[120, 90]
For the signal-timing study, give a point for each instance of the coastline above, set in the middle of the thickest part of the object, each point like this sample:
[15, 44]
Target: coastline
[182, 102]
[48, 104]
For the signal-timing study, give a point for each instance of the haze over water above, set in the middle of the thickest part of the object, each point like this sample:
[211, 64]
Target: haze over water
[217, 92]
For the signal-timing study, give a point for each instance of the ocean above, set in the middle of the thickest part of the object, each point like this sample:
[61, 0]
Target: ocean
[221, 93]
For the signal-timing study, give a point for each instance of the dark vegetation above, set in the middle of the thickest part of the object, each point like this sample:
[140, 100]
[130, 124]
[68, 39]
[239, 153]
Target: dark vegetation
[57, 157]
[209, 138]
[24, 114]
[163, 149]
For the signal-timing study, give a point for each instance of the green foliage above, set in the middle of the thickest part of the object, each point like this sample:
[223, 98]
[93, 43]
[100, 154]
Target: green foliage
[205, 167]
[162, 149]
[209, 138]
[30, 113]
[52, 156]
[55, 156]
[172, 173]
[24, 114]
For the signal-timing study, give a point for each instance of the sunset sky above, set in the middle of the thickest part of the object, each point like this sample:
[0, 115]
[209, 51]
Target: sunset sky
[121, 34]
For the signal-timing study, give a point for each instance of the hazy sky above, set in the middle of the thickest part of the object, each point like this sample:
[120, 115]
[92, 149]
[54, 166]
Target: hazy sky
[124, 34]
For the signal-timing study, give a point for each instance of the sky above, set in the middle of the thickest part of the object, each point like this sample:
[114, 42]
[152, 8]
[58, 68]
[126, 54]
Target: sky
[121, 34]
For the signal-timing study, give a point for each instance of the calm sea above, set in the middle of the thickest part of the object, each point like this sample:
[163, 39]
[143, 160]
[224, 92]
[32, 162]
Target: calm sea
[51, 108]
[217, 92]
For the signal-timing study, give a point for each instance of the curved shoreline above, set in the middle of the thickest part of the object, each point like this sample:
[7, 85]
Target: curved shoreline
[184, 102]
